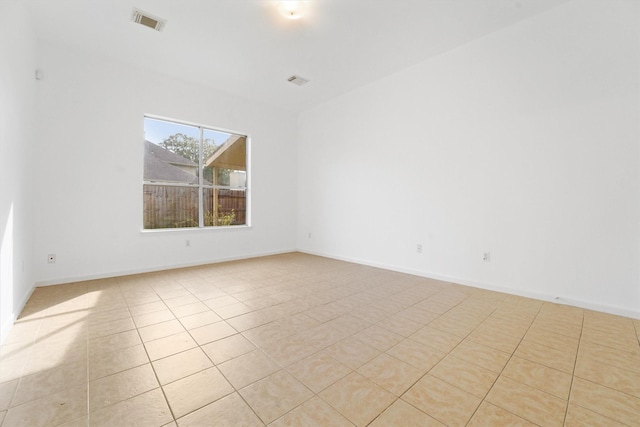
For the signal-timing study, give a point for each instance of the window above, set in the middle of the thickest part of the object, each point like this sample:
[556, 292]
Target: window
[194, 176]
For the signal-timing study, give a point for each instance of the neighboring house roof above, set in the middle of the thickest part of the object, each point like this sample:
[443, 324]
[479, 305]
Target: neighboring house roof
[166, 155]
[159, 165]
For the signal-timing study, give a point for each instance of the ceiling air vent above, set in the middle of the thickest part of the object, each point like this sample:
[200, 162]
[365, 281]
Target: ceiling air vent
[297, 80]
[148, 20]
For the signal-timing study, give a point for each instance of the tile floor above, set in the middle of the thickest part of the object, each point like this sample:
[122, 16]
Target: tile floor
[299, 340]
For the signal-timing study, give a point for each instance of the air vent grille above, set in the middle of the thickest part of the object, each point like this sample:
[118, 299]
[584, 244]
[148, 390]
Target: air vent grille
[297, 80]
[148, 20]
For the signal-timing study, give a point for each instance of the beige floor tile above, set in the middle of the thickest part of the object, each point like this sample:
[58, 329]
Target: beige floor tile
[153, 318]
[481, 355]
[527, 402]
[547, 356]
[275, 395]
[78, 422]
[167, 346]
[357, 398]
[200, 319]
[319, 371]
[269, 333]
[45, 357]
[533, 374]
[401, 413]
[291, 349]
[18, 350]
[248, 321]
[577, 416]
[489, 415]
[228, 348]
[189, 309]
[179, 301]
[180, 365]
[352, 352]
[114, 388]
[160, 330]
[512, 327]
[313, 413]
[50, 381]
[496, 340]
[23, 332]
[138, 310]
[212, 332]
[400, 325]
[305, 313]
[113, 342]
[552, 339]
[51, 410]
[219, 302]
[467, 376]
[147, 409]
[12, 368]
[436, 338]
[417, 315]
[605, 401]
[416, 354]
[458, 327]
[230, 411]
[626, 342]
[442, 401]
[570, 330]
[7, 389]
[609, 356]
[324, 335]
[391, 374]
[248, 368]
[379, 338]
[232, 310]
[196, 391]
[110, 328]
[609, 376]
[117, 361]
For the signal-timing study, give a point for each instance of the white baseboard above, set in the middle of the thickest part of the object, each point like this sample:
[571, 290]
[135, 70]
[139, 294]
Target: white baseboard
[619, 311]
[73, 279]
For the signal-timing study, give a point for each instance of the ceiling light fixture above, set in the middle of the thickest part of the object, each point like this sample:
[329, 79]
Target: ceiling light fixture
[293, 9]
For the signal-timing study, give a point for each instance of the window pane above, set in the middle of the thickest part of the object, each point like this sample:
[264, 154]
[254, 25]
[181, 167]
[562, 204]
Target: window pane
[225, 159]
[224, 207]
[171, 152]
[170, 207]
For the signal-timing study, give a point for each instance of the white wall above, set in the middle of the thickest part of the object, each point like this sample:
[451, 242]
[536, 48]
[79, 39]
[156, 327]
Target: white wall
[89, 170]
[17, 109]
[524, 144]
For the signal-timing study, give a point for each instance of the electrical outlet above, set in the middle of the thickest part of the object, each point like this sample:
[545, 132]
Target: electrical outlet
[51, 258]
[309, 234]
[187, 243]
[486, 257]
[419, 248]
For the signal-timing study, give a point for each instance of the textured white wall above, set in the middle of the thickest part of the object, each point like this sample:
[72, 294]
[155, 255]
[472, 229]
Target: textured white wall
[17, 109]
[89, 170]
[524, 143]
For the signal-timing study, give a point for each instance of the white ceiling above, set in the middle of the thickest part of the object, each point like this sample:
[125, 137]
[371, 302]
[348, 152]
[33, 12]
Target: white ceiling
[244, 47]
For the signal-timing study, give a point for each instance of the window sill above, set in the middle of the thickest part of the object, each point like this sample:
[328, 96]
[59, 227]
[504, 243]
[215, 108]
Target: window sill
[194, 229]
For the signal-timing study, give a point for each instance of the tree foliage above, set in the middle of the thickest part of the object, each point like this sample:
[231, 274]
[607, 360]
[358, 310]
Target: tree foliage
[187, 146]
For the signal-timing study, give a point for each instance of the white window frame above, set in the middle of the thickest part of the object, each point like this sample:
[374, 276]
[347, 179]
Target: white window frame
[201, 186]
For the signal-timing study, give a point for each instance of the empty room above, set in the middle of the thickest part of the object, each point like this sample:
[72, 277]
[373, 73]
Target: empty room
[319, 213]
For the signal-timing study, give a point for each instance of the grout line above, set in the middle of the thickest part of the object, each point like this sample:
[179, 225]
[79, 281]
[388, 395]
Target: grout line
[573, 373]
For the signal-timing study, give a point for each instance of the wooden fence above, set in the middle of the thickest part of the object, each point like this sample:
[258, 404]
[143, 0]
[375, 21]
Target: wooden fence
[177, 207]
